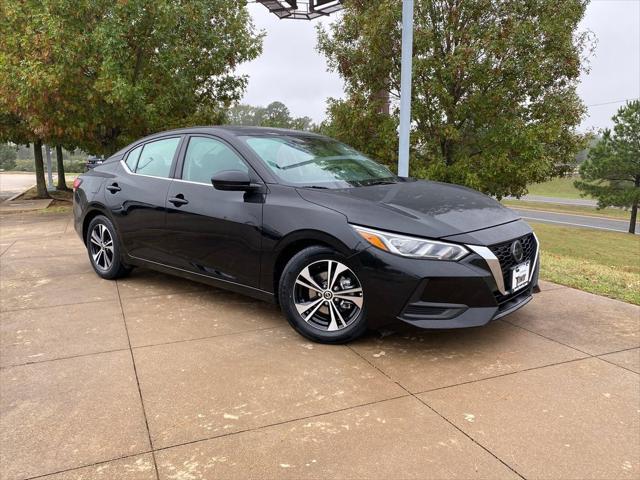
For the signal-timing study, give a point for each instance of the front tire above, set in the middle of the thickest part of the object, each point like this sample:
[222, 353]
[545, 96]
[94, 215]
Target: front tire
[103, 247]
[322, 297]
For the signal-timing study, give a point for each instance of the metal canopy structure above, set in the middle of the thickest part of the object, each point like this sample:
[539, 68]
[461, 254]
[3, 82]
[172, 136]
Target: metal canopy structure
[298, 10]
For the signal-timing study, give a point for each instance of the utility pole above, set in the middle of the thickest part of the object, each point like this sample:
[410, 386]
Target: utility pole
[50, 186]
[405, 87]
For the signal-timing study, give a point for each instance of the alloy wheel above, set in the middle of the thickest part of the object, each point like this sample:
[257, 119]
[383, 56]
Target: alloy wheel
[101, 245]
[328, 295]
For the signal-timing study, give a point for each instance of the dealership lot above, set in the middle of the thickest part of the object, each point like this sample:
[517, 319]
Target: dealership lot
[158, 377]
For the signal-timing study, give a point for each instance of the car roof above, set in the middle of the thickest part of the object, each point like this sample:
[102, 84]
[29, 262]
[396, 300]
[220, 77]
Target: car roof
[233, 130]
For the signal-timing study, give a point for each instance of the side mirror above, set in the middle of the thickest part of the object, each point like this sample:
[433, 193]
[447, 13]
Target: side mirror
[232, 180]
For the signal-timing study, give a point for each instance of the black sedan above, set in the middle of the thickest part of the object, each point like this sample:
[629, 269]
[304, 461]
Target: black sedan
[336, 239]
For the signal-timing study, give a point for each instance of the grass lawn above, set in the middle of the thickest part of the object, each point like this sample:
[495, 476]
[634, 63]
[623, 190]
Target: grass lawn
[62, 200]
[615, 213]
[604, 263]
[558, 187]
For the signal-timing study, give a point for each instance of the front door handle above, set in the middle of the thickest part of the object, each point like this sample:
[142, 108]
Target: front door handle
[113, 188]
[179, 200]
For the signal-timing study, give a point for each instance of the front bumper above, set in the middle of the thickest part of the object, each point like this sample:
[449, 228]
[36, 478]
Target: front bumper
[438, 294]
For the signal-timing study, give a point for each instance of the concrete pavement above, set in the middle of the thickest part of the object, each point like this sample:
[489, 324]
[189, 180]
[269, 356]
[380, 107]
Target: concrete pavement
[574, 220]
[158, 377]
[14, 183]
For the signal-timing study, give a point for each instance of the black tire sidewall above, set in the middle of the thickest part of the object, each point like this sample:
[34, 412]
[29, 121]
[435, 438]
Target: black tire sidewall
[285, 296]
[117, 268]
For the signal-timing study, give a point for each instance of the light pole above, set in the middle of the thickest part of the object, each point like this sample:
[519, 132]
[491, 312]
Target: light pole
[290, 9]
[405, 87]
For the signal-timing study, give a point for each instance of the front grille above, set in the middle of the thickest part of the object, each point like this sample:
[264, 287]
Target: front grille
[503, 253]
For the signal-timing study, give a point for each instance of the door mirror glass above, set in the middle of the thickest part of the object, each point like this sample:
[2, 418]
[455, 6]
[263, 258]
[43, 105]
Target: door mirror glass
[232, 180]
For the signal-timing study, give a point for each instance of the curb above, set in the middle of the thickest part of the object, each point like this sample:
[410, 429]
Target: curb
[12, 198]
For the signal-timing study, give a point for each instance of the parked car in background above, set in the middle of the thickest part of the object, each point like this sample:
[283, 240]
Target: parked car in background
[336, 239]
[92, 162]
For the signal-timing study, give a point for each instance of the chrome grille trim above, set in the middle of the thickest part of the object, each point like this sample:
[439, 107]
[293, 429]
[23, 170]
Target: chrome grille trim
[494, 265]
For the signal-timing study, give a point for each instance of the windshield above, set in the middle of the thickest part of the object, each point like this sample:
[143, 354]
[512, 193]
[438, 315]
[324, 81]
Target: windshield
[320, 162]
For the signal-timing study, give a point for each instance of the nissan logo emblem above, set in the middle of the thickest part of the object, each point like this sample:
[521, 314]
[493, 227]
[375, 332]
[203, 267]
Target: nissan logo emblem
[517, 251]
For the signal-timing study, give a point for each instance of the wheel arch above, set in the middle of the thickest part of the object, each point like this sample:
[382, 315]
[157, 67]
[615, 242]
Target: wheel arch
[92, 212]
[296, 242]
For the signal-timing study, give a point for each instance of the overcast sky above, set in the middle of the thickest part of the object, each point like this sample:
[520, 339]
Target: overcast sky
[292, 71]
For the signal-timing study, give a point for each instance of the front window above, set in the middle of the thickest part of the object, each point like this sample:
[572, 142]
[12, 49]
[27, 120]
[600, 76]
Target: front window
[206, 156]
[310, 161]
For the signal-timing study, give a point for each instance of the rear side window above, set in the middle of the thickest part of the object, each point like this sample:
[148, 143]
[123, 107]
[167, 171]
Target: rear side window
[206, 156]
[132, 159]
[156, 158]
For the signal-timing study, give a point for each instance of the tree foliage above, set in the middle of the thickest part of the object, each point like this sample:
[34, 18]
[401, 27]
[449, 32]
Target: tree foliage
[494, 87]
[611, 172]
[276, 114]
[98, 74]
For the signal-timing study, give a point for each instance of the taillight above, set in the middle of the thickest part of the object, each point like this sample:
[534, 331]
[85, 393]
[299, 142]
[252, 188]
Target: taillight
[76, 183]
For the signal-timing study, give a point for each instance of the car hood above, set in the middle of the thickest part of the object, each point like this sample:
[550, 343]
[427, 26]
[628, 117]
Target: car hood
[423, 208]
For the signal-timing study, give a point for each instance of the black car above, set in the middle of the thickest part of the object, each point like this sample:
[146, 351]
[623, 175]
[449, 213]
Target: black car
[336, 239]
[92, 162]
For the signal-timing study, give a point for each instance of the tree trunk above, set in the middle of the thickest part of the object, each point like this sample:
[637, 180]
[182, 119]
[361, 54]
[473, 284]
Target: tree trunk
[62, 184]
[41, 184]
[383, 97]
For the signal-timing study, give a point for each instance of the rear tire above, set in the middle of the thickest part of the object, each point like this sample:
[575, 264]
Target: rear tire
[322, 297]
[103, 246]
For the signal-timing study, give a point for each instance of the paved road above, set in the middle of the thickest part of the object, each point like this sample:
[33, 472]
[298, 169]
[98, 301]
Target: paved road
[12, 183]
[584, 221]
[89, 370]
[587, 202]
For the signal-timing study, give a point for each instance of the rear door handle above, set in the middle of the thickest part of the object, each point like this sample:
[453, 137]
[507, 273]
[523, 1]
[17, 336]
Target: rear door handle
[179, 200]
[113, 188]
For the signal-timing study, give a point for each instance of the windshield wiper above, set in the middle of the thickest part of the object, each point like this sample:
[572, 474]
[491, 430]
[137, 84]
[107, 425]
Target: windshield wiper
[380, 182]
[315, 186]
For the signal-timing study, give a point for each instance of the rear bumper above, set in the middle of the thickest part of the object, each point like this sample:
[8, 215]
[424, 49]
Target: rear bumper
[439, 295]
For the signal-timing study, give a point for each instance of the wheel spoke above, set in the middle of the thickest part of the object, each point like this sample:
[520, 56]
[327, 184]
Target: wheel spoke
[95, 237]
[303, 307]
[306, 275]
[335, 318]
[357, 301]
[349, 292]
[102, 230]
[306, 284]
[98, 257]
[340, 268]
[107, 260]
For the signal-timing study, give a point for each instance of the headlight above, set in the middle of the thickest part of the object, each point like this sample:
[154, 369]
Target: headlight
[411, 246]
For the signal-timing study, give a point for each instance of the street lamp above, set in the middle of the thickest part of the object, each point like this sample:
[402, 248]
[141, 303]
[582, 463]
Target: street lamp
[299, 10]
[295, 10]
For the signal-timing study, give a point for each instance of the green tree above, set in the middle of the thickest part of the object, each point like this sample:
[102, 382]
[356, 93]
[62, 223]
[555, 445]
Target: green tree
[8, 156]
[99, 74]
[494, 87]
[276, 115]
[611, 172]
[16, 130]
